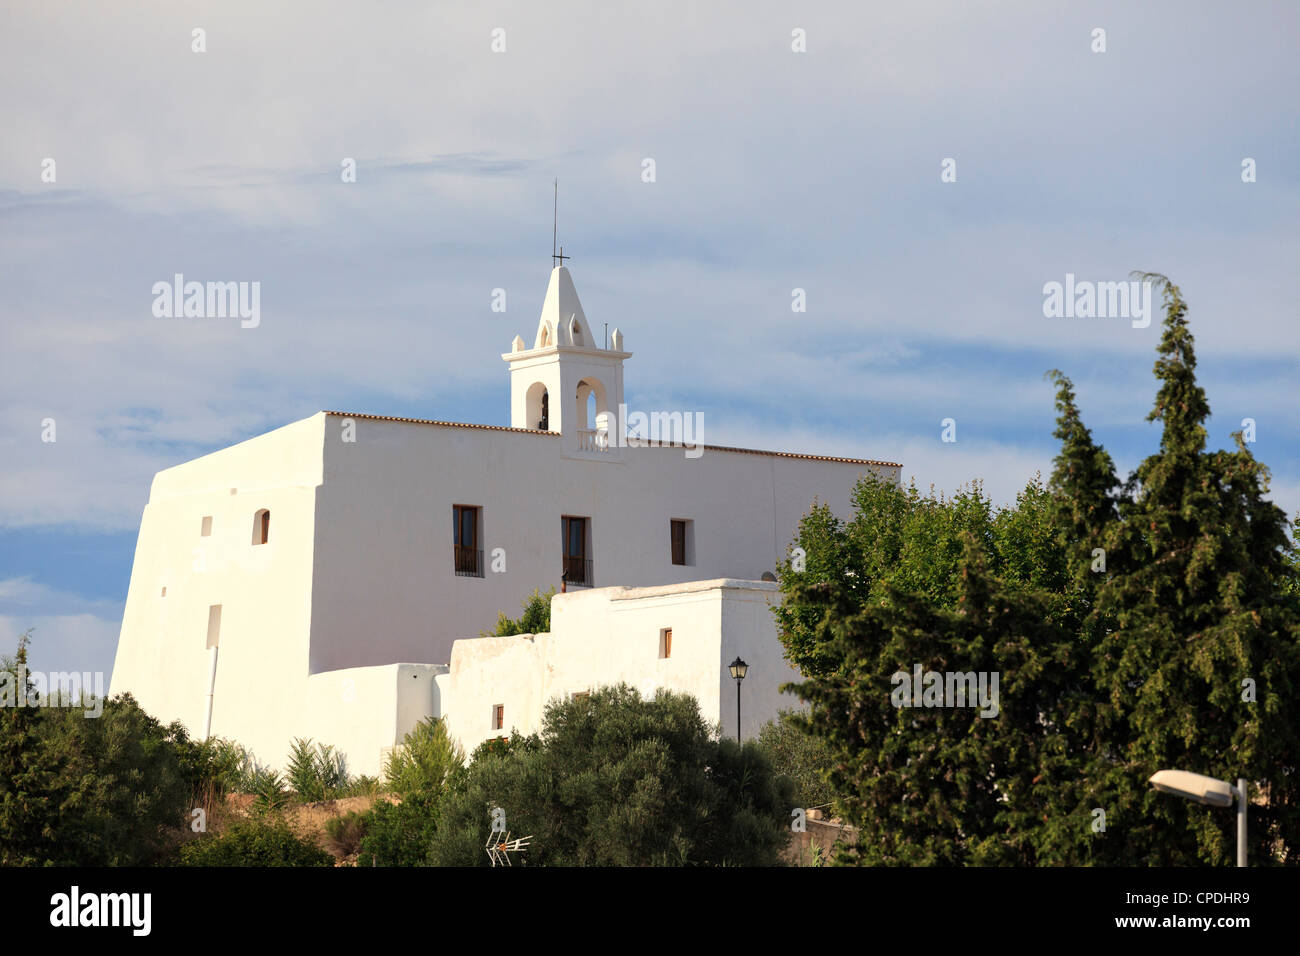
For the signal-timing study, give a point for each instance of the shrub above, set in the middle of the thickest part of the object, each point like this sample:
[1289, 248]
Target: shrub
[259, 841]
[426, 760]
[616, 780]
[361, 786]
[344, 834]
[112, 786]
[536, 618]
[399, 834]
[801, 757]
[267, 787]
[315, 773]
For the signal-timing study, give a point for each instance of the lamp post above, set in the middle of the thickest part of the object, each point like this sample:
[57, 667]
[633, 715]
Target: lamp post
[738, 669]
[1209, 791]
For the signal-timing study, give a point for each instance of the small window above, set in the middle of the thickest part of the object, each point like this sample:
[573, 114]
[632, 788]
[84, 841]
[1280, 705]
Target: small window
[681, 535]
[164, 590]
[205, 529]
[214, 625]
[666, 642]
[467, 554]
[499, 717]
[262, 527]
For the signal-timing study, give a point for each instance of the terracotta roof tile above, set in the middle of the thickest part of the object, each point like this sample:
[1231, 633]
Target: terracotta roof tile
[534, 431]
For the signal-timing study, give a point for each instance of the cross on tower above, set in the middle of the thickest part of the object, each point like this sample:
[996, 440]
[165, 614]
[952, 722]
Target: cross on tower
[555, 225]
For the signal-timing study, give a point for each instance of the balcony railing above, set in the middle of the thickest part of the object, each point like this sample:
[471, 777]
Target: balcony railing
[578, 572]
[469, 562]
[590, 439]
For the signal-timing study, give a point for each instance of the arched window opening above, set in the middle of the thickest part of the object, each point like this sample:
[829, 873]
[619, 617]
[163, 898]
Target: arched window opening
[538, 403]
[262, 527]
[589, 414]
[576, 331]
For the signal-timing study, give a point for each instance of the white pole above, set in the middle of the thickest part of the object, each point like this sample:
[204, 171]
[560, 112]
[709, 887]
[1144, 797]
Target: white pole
[1241, 821]
[212, 683]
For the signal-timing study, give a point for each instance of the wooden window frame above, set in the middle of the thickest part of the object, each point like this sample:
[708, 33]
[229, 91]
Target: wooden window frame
[467, 558]
[676, 541]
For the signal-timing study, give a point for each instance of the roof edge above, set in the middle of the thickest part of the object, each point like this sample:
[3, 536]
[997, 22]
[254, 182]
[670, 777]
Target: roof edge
[535, 431]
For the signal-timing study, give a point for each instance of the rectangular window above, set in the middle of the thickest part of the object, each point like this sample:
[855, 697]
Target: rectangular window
[499, 717]
[214, 625]
[666, 642]
[682, 539]
[467, 554]
[577, 558]
[205, 530]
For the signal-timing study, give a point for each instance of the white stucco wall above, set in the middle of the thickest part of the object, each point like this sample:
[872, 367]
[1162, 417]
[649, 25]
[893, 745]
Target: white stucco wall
[358, 572]
[264, 590]
[612, 635]
[384, 581]
[365, 711]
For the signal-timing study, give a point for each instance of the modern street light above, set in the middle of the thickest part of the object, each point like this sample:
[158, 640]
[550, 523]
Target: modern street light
[738, 669]
[1209, 791]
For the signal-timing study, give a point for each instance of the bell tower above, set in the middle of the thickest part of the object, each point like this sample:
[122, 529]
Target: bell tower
[568, 381]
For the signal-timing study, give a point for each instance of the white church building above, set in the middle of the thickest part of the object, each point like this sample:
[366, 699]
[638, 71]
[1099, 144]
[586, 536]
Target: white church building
[303, 583]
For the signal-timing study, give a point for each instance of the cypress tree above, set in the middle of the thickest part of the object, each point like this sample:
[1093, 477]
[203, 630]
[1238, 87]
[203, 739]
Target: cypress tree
[1200, 669]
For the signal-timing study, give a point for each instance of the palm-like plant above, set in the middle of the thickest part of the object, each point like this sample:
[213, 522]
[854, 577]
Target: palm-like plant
[315, 772]
[268, 791]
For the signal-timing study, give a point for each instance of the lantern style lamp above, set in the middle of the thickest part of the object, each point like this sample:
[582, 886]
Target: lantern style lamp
[738, 670]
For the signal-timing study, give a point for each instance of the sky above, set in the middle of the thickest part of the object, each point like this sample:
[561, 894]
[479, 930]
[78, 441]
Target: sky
[775, 169]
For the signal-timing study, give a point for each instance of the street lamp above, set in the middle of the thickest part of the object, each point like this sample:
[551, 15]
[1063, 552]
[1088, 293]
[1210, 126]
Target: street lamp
[738, 669]
[1209, 791]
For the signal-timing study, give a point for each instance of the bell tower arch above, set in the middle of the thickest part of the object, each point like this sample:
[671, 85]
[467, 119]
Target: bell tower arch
[553, 383]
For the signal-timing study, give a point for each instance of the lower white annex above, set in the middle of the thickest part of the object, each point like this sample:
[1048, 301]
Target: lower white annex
[303, 583]
[675, 637]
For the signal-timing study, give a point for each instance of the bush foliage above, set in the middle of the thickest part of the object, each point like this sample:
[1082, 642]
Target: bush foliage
[1136, 626]
[258, 841]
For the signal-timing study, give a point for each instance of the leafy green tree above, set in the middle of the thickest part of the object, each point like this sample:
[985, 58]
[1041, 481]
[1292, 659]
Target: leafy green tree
[901, 541]
[85, 791]
[940, 785]
[616, 780]
[122, 785]
[1135, 627]
[1200, 669]
[30, 785]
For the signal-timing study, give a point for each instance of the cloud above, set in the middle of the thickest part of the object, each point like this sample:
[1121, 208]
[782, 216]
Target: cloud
[69, 631]
[775, 171]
